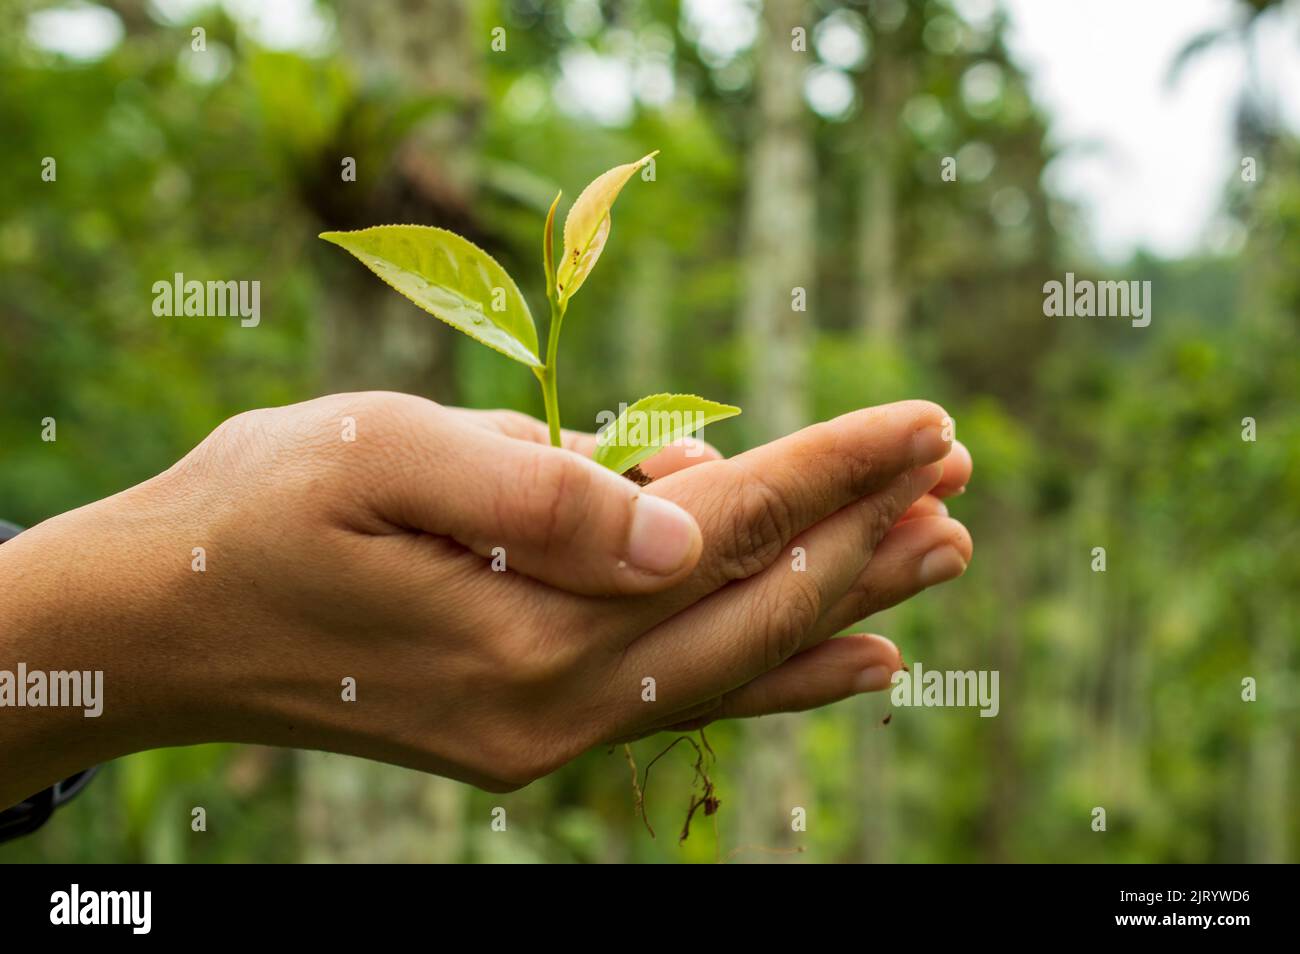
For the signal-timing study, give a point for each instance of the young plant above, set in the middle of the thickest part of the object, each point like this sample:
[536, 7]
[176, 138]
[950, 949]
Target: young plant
[459, 283]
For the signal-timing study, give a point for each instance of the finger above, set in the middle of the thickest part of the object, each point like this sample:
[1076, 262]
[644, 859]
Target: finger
[546, 512]
[835, 670]
[749, 507]
[676, 456]
[912, 557]
[957, 468]
[928, 506]
[684, 453]
[956, 475]
[523, 427]
[755, 625]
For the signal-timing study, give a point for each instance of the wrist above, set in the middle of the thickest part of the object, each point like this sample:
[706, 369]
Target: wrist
[77, 616]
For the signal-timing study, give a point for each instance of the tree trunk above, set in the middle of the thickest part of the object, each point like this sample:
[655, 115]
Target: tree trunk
[881, 294]
[1268, 758]
[351, 809]
[779, 248]
[377, 339]
[644, 333]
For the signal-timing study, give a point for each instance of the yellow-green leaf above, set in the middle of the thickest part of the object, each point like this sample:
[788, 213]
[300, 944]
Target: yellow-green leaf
[548, 248]
[654, 422]
[452, 279]
[586, 228]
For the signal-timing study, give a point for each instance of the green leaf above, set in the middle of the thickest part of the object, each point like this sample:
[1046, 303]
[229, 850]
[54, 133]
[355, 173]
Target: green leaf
[452, 279]
[654, 422]
[548, 248]
[586, 228]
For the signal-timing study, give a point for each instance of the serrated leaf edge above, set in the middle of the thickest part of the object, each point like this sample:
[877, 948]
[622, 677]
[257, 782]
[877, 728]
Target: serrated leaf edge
[433, 228]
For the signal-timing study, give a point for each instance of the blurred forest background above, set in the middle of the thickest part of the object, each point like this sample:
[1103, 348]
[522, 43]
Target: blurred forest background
[780, 168]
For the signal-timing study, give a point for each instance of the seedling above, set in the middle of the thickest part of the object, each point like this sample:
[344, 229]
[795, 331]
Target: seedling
[456, 281]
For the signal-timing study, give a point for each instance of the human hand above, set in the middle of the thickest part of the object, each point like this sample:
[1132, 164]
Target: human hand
[371, 560]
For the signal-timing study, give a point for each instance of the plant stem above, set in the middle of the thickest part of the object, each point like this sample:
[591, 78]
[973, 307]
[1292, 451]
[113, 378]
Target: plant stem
[548, 375]
[552, 401]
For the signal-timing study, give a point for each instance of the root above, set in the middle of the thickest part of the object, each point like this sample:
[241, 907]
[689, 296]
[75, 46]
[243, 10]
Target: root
[703, 798]
[638, 794]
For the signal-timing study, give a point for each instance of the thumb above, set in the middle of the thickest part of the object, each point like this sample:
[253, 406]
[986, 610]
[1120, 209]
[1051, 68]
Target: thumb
[554, 515]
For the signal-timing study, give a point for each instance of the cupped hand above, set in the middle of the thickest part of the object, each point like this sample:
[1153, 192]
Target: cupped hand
[437, 588]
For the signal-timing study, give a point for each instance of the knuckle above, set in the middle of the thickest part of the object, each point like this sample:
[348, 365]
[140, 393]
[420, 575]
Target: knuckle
[391, 418]
[787, 619]
[396, 403]
[516, 424]
[528, 661]
[240, 427]
[857, 465]
[530, 666]
[862, 471]
[761, 522]
[395, 421]
[237, 441]
[556, 492]
[883, 514]
[862, 600]
[553, 647]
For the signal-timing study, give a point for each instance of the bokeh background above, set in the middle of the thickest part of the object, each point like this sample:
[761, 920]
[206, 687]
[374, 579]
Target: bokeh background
[1097, 138]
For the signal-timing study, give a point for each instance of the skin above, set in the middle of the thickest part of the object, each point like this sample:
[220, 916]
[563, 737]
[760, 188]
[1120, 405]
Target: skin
[371, 559]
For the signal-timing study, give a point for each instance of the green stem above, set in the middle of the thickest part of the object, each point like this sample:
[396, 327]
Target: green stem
[548, 375]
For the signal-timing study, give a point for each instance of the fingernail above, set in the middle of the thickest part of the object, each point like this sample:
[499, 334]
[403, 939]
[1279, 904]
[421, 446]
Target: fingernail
[925, 479]
[890, 643]
[663, 535]
[873, 680]
[929, 444]
[940, 564]
[942, 508]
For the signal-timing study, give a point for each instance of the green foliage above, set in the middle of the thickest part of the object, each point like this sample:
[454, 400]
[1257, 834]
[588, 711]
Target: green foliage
[458, 282]
[450, 278]
[587, 227]
[654, 422]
